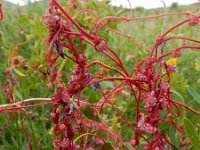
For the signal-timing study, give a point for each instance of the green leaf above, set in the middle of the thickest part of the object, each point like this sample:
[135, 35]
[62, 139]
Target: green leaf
[19, 72]
[121, 11]
[106, 85]
[178, 94]
[62, 66]
[18, 94]
[177, 139]
[93, 94]
[108, 145]
[164, 125]
[98, 118]
[104, 34]
[128, 146]
[94, 97]
[87, 111]
[172, 133]
[194, 93]
[192, 134]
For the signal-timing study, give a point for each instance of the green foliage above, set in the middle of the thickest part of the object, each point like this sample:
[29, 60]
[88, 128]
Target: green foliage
[195, 95]
[26, 25]
[192, 134]
[128, 146]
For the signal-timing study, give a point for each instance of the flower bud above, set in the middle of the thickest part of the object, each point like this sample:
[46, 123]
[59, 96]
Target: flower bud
[171, 68]
[141, 77]
[62, 126]
[53, 115]
[100, 46]
[176, 52]
[51, 20]
[194, 21]
[66, 97]
[165, 86]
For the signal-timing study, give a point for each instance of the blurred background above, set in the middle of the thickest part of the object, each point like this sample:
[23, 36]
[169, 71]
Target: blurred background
[126, 3]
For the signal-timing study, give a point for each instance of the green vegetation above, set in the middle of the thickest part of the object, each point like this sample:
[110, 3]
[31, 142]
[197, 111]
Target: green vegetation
[23, 38]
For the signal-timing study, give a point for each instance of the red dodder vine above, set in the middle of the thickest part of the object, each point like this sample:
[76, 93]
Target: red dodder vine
[1, 12]
[148, 83]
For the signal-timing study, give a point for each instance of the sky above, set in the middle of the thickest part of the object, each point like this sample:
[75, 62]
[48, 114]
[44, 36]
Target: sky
[135, 3]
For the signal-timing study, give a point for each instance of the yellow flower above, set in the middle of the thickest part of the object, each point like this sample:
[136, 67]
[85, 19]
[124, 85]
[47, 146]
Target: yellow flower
[171, 61]
[197, 64]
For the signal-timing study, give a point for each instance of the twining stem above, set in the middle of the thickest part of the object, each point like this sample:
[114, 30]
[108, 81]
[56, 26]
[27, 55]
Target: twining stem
[73, 21]
[182, 38]
[181, 47]
[91, 134]
[187, 107]
[113, 18]
[1, 12]
[26, 101]
[158, 41]
[104, 65]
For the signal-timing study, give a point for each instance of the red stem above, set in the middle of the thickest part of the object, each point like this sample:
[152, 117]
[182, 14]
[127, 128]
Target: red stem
[1, 12]
[158, 41]
[182, 38]
[187, 107]
[72, 21]
[113, 18]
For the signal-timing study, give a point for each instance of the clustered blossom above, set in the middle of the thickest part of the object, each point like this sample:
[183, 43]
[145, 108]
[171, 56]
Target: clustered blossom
[163, 102]
[194, 21]
[62, 115]
[141, 77]
[156, 144]
[100, 45]
[155, 98]
[165, 86]
[145, 126]
[150, 101]
[171, 67]
[8, 87]
[52, 78]
[65, 114]
[65, 108]
[80, 78]
[51, 20]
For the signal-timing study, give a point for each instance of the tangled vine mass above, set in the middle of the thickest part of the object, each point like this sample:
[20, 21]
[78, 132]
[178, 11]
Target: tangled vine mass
[148, 83]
